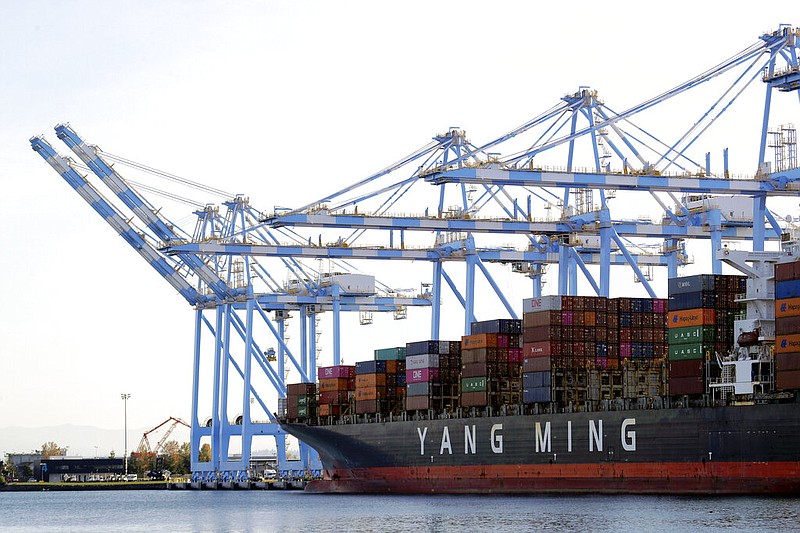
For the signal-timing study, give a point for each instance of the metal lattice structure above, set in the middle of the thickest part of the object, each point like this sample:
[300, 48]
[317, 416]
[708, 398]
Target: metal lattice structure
[547, 186]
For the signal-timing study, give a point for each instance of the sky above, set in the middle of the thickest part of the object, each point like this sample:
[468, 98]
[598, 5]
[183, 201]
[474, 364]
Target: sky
[281, 101]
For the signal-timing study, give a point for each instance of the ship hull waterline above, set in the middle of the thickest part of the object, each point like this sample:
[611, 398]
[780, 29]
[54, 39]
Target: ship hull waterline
[714, 450]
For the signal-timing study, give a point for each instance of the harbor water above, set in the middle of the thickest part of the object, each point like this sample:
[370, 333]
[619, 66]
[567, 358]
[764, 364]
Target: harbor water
[295, 511]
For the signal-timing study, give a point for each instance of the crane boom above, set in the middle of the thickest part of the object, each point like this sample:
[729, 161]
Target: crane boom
[144, 444]
[90, 156]
[92, 196]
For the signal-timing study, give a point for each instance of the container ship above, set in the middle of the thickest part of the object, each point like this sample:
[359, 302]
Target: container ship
[696, 393]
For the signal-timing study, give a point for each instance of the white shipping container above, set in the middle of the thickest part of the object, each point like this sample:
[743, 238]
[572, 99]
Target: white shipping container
[428, 360]
[542, 303]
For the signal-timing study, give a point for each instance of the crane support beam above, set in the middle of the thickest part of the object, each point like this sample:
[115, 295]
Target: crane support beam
[509, 256]
[730, 230]
[777, 184]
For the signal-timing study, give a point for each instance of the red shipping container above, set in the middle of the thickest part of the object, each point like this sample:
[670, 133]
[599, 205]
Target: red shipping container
[515, 355]
[300, 389]
[502, 355]
[542, 333]
[368, 406]
[474, 370]
[416, 403]
[787, 380]
[690, 385]
[538, 349]
[625, 349]
[787, 362]
[541, 318]
[340, 371]
[536, 364]
[473, 399]
[334, 397]
[685, 369]
[479, 355]
[785, 271]
[787, 325]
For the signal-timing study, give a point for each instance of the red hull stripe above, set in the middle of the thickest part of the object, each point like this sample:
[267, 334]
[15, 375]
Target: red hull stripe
[663, 478]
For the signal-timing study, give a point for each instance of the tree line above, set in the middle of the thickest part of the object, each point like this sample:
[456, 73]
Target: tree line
[173, 456]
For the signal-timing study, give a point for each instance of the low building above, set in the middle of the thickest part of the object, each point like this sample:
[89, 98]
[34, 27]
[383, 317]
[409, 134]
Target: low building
[26, 465]
[65, 468]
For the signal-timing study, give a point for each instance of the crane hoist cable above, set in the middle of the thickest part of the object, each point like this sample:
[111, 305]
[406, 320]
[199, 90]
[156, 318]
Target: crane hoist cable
[172, 177]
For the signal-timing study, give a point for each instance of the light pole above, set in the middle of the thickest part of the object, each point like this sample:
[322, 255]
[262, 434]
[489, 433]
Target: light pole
[125, 400]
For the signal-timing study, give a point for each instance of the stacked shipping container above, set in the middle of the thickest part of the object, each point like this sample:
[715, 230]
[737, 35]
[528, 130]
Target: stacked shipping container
[301, 401]
[376, 386]
[337, 385]
[702, 310]
[583, 348]
[432, 371]
[491, 361]
[787, 325]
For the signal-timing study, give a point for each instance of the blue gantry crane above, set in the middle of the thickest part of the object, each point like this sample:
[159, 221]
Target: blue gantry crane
[225, 294]
[620, 157]
[534, 185]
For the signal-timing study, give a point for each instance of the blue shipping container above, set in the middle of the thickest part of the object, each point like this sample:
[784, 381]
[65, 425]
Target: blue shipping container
[787, 289]
[370, 367]
[536, 395]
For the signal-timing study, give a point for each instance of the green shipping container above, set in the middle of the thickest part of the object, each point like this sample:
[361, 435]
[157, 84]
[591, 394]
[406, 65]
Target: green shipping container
[302, 411]
[302, 400]
[683, 352]
[473, 384]
[391, 354]
[692, 335]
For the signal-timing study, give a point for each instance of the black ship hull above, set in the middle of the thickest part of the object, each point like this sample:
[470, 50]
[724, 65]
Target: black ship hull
[750, 449]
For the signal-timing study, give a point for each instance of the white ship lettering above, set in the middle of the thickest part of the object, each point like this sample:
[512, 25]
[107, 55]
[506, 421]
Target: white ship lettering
[543, 435]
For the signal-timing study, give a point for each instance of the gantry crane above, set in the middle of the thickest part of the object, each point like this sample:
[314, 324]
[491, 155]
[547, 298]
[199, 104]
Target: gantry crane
[228, 290]
[479, 195]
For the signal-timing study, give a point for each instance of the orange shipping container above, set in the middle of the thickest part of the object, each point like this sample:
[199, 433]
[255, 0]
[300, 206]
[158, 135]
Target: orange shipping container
[332, 384]
[329, 410]
[482, 340]
[787, 343]
[691, 317]
[370, 393]
[391, 366]
[787, 307]
[370, 380]
[589, 318]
